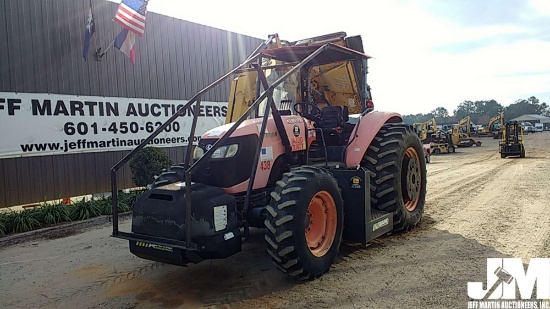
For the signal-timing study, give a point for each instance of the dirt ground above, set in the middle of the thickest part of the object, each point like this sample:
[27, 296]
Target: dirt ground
[478, 206]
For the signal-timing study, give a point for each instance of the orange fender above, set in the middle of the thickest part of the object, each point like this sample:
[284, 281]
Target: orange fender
[364, 133]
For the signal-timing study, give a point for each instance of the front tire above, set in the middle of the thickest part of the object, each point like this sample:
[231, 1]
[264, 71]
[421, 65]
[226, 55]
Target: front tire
[398, 175]
[305, 222]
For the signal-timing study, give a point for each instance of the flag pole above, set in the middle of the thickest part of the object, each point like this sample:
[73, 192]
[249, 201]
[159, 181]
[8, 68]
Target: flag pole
[99, 56]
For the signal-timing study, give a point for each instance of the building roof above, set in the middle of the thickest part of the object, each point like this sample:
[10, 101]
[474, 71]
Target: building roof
[532, 117]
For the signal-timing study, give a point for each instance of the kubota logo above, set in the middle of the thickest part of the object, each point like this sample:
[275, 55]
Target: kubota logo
[505, 276]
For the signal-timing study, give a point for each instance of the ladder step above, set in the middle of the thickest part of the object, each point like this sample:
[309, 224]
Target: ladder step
[375, 214]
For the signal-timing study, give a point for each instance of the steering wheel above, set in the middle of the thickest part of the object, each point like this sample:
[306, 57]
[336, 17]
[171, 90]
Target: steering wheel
[315, 113]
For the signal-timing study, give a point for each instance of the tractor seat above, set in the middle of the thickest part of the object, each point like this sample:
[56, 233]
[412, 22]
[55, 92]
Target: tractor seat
[333, 117]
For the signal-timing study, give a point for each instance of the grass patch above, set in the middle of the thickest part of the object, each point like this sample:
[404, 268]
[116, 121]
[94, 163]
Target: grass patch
[51, 214]
[3, 225]
[83, 209]
[26, 220]
[106, 208]
[126, 201]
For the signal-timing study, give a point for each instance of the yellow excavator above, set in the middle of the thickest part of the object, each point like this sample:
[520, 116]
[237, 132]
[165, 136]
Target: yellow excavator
[463, 138]
[493, 128]
[425, 130]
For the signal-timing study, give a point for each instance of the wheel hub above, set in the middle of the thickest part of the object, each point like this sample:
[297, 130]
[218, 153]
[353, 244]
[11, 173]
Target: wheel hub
[320, 223]
[411, 185]
[413, 179]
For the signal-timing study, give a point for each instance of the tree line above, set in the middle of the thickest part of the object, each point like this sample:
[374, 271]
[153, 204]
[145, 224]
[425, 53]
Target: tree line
[481, 111]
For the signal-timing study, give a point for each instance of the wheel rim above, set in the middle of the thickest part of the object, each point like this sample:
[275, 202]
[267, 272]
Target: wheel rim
[320, 223]
[413, 177]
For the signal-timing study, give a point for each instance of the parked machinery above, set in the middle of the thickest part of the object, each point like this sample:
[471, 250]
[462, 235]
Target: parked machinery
[493, 128]
[435, 142]
[512, 140]
[464, 134]
[425, 131]
[443, 143]
[290, 161]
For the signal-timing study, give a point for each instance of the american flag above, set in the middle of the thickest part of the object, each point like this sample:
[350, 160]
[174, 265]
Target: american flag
[131, 15]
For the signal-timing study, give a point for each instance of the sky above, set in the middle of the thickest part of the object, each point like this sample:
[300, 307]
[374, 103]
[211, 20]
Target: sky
[426, 53]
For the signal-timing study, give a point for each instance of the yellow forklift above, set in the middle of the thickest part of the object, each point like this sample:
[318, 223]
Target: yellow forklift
[436, 141]
[512, 140]
[443, 143]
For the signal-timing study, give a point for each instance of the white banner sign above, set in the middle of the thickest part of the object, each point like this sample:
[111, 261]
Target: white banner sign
[37, 124]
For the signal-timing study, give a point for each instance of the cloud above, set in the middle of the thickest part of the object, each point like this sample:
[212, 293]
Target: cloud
[452, 59]
[475, 13]
[427, 53]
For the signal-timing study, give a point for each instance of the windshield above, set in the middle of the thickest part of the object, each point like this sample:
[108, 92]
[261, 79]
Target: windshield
[284, 95]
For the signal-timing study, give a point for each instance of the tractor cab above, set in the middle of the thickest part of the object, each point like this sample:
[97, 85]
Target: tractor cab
[324, 92]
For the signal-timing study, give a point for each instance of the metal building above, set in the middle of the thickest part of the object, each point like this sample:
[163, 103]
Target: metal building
[41, 53]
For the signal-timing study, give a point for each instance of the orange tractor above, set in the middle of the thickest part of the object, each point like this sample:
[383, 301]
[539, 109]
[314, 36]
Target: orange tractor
[303, 156]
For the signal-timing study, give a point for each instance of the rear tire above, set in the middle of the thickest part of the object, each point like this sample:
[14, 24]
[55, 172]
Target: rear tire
[305, 222]
[398, 176]
[522, 154]
[478, 144]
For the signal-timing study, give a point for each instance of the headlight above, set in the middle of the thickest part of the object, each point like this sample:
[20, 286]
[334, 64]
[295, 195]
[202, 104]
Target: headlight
[199, 152]
[226, 151]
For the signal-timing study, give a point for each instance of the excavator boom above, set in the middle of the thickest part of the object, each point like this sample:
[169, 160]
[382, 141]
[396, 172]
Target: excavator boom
[464, 135]
[493, 128]
[425, 129]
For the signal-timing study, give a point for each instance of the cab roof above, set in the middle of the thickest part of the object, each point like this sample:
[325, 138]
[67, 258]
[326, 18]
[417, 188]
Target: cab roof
[331, 53]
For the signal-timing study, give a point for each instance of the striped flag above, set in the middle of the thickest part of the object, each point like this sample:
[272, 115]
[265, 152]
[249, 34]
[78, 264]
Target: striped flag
[125, 42]
[131, 15]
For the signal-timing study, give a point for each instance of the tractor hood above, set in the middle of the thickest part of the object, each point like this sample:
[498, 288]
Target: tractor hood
[253, 126]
